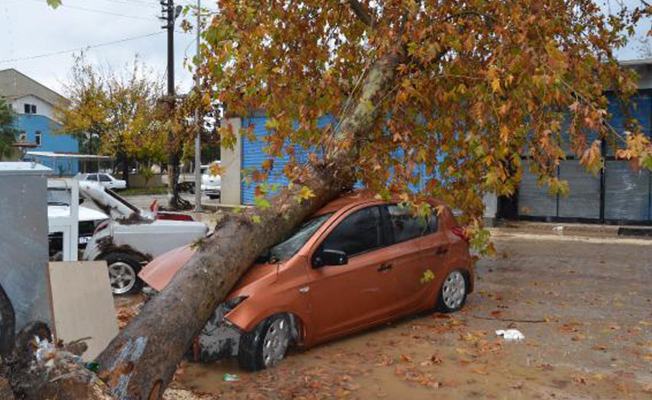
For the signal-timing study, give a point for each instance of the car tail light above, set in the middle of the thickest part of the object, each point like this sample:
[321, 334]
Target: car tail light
[460, 233]
[174, 217]
[102, 226]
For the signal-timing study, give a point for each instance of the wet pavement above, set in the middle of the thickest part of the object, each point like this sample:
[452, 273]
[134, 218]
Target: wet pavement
[584, 306]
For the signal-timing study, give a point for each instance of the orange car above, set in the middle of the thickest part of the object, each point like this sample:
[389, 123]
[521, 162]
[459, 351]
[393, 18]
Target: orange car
[358, 262]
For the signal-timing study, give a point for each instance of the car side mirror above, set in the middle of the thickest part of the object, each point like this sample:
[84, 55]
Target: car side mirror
[329, 257]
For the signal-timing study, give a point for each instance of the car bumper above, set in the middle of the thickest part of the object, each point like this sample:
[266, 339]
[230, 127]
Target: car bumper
[214, 190]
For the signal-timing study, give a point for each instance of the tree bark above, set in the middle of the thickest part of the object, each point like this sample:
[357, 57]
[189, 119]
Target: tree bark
[140, 361]
[123, 160]
[175, 201]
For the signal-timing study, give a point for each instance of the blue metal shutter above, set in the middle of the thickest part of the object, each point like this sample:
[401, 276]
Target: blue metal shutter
[253, 156]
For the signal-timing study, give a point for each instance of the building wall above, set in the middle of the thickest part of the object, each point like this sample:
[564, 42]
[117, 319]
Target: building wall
[42, 107]
[249, 155]
[231, 163]
[31, 124]
[254, 154]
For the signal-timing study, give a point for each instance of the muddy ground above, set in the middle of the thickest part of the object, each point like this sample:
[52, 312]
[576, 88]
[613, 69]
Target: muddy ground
[588, 335]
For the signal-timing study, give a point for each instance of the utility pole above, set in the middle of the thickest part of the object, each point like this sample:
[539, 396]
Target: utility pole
[198, 117]
[169, 17]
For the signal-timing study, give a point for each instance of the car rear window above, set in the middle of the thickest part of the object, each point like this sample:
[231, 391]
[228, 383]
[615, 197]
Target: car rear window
[359, 233]
[407, 226]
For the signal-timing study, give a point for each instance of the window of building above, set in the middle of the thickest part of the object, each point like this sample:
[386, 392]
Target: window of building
[30, 108]
[23, 136]
[37, 138]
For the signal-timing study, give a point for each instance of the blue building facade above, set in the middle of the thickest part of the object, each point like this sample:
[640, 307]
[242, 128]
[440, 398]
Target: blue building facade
[40, 129]
[35, 105]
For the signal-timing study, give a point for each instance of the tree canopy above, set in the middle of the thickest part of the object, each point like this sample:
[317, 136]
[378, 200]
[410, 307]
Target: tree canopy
[479, 84]
[8, 130]
[113, 112]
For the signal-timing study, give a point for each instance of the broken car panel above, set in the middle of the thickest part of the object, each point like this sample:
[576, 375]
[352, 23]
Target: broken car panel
[356, 263]
[134, 236]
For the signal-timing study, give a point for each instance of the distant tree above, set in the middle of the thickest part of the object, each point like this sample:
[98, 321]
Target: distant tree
[8, 130]
[114, 113]
[84, 113]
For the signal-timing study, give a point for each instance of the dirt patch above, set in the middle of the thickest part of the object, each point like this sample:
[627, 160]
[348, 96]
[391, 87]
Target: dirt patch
[592, 339]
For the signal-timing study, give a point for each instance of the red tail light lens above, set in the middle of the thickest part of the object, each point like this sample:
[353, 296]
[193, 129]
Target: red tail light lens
[174, 217]
[460, 233]
[102, 226]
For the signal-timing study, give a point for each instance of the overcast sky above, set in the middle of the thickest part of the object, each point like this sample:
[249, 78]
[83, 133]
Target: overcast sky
[30, 28]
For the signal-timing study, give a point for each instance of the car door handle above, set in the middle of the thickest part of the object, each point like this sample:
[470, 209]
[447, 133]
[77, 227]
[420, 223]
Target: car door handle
[385, 267]
[441, 250]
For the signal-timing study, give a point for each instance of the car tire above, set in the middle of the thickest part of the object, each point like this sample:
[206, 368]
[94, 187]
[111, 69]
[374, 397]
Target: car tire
[266, 345]
[123, 273]
[453, 291]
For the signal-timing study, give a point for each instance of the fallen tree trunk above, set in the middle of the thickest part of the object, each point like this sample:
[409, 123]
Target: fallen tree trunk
[140, 361]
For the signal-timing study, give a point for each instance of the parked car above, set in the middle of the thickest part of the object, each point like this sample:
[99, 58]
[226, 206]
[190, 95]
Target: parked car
[356, 263]
[104, 179]
[133, 236]
[211, 184]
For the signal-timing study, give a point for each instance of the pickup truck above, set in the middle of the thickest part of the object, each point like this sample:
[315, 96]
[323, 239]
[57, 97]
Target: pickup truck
[132, 236]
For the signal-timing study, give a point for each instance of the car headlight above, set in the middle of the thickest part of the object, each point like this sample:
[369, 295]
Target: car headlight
[230, 304]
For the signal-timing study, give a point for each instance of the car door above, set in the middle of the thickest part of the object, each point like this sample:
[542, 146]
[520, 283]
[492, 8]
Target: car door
[348, 297]
[417, 252]
[105, 181]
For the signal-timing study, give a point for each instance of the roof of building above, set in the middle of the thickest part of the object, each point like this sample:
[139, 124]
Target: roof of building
[15, 84]
[23, 168]
[66, 154]
[635, 63]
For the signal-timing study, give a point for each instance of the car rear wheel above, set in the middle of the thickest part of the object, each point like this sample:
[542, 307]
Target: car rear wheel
[452, 294]
[266, 345]
[123, 273]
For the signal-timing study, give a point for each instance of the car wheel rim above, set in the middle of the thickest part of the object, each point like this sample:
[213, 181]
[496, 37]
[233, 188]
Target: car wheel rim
[276, 342]
[454, 290]
[122, 277]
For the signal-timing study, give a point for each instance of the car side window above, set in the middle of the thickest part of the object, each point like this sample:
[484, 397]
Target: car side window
[359, 233]
[407, 226]
[104, 178]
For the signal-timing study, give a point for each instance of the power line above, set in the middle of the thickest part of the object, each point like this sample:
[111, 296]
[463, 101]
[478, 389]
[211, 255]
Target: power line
[93, 10]
[152, 3]
[79, 48]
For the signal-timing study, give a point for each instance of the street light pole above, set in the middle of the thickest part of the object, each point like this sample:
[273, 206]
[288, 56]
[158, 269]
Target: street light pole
[200, 125]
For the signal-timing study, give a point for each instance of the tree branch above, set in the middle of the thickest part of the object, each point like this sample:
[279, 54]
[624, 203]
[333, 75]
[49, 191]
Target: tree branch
[361, 12]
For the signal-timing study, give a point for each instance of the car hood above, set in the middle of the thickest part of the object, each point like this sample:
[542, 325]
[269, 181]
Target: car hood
[160, 271]
[85, 214]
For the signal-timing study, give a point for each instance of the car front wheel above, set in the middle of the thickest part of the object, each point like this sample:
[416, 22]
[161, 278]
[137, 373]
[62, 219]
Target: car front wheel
[123, 273]
[266, 345]
[452, 294]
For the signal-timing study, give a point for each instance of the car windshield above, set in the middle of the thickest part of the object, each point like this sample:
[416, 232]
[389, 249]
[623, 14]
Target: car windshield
[288, 248]
[58, 197]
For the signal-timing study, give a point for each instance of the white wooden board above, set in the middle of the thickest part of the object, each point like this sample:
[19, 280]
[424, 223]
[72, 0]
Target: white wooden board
[83, 304]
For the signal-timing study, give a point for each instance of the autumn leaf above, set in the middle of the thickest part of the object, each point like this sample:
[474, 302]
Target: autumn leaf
[428, 276]
[54, 3]
[495, 84]
[304, 194]
[261, 203]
